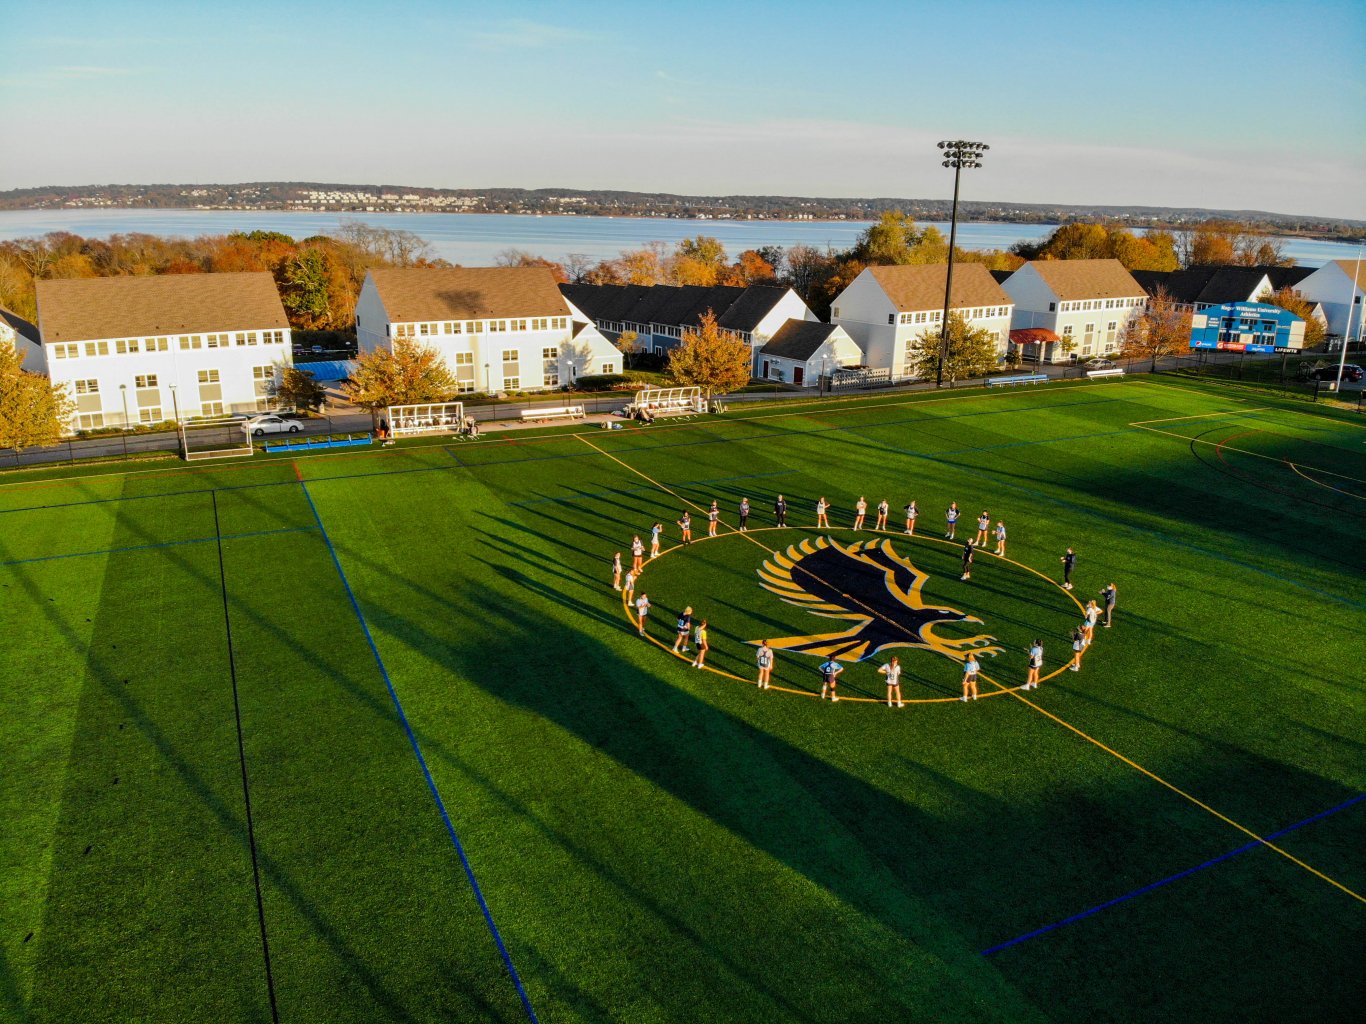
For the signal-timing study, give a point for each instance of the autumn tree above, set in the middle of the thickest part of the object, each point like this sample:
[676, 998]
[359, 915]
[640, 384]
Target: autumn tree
[1222, 242]
[971, 352]
[1159, 330]
[33, 410]
[410, 373]
[645, 265]
[699, 261]
[299, 389]
[628, 344]
[1155, 250]
[522, 258]
[713, 359]
[1292, 301]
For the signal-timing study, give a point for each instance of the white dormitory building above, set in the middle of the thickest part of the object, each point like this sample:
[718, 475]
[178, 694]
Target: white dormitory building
[1087, 301]
[801, 351]
[888, 311]
[498, 329]
[205, 344]
[24, 337]
[1339, 286]
[660, 314]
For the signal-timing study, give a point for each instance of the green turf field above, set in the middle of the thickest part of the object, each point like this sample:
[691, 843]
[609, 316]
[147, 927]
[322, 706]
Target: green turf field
[257, 716]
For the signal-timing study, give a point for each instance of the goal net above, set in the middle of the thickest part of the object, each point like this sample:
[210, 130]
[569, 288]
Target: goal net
[428, 418]
[658, 402]
[216, 437]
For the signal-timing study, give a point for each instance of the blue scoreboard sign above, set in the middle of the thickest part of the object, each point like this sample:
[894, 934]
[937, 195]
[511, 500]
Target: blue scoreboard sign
[1247, 327]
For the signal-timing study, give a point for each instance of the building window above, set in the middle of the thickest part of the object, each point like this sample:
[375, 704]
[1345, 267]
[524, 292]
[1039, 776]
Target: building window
[835, 312]
[517, 325]
[188, 342]
[561, 323]
[476, 327]
[211, 409]
[497, 326]
[148, 380]
[208, 376]
[539, 324]
[124, 348]
[1067, 331]
[245, 338]
[552, 380]
[69, 351]
[97, 348]
[464, 387]
[607, 368]
[215, 341]
[1110, 330]
[550, 353]
[509, 355]
[272, 337]
[512, 383]
[87, 387]
[90, 420]
[149, 414]
[464, 359]
[156, 344]
[455, 327]
[426, 329]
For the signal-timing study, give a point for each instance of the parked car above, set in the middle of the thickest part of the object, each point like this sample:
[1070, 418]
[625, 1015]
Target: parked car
[272, 423]
[1351, 373]
[1099, 364]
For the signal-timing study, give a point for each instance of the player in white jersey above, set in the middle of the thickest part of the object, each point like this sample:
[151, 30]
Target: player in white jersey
[642, 610]
[860, 512]
[892, 670]
[764, 659]
[882, 509]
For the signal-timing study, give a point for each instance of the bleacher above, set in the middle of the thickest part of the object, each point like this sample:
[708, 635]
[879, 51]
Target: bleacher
[664, 403]
[1019, 378]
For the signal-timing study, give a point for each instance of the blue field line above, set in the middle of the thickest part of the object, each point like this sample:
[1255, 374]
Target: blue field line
[571, 498]
[422, 762]
[165, 544]
[1171, 878]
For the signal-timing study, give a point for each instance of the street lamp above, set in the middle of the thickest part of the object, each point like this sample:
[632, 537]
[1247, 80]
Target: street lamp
[179, 432]
[957, 154]
[123, 391]
[488, 381]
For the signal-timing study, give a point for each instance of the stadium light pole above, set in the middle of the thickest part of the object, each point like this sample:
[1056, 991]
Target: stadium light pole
[958, 153]
[1347, 331]
[123, 391]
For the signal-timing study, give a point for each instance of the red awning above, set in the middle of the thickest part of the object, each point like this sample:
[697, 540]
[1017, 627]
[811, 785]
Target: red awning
[1033, 336]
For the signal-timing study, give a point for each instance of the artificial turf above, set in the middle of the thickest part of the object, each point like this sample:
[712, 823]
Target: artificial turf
[656, 843]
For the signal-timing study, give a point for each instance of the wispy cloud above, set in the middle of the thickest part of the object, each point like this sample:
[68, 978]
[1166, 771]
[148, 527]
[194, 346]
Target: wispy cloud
[524, 34]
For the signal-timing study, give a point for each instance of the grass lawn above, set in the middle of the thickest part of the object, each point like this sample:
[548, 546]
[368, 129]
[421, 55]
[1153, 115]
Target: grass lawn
[368, 736]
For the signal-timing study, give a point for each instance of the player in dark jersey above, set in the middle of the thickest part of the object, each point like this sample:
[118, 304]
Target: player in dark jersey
[1069, 562]
[685, 524]
[830, 673]
[968, 550]
[882, 509]
[780, 510]
[951, 520]
[1109, 595]
[744, 514]
[684, 628]
[713, 519]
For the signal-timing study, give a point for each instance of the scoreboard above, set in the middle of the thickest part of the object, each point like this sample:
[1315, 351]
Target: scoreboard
[1247, 327]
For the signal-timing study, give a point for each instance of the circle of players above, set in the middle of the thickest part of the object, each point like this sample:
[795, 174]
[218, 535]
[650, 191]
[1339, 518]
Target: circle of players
[830, 670]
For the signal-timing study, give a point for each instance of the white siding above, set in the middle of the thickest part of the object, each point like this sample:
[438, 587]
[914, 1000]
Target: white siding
[1329, 286]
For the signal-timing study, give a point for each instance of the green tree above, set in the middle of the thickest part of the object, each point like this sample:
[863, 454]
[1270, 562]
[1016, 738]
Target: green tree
[971, 352]
[304, 291]
[298, 388]
[33, 410]
[1161, 329]
[713, 359]
[409, 373]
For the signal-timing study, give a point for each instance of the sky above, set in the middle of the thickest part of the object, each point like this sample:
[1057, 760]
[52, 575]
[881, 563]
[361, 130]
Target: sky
[1201, 103]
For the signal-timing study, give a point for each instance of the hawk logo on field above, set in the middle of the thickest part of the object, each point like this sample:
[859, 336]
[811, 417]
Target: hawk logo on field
[867, 584]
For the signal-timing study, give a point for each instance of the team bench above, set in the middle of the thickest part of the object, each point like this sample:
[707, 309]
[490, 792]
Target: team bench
[1114, 371]
[1023, 378]
[553, 412]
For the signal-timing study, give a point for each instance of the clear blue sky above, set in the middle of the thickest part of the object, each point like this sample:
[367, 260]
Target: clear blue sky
[1212, 104]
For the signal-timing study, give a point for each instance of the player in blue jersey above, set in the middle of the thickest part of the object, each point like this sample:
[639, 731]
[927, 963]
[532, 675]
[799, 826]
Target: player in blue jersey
[970, 669]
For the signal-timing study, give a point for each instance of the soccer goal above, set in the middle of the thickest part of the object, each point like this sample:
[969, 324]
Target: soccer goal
[215, 437]
[653, 403]
[428, 418]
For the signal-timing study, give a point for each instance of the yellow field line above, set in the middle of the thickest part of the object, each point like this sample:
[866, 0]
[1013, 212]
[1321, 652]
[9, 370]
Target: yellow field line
[1001, 689]
[1330, 487]
[1176, 789]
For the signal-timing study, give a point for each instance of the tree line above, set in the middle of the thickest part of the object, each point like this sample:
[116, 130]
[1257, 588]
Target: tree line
[319, 278]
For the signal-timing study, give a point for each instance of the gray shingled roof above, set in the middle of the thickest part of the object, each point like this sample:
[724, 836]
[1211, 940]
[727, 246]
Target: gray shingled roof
[798, 339]
[736, 308]
[21, 326]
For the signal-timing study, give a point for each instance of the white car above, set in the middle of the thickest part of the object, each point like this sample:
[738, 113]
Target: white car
[1099, 364]
[271, 424]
